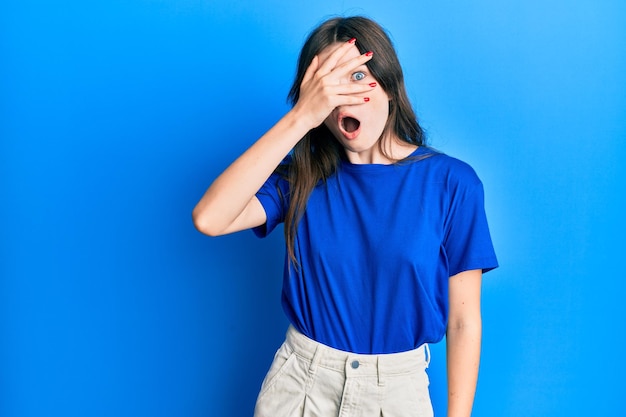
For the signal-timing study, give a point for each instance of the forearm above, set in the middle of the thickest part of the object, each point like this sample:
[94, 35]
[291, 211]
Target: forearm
[230, 193]
[228, 204]
[463, 357]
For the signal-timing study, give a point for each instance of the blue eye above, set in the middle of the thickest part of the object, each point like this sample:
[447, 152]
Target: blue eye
[358, 76]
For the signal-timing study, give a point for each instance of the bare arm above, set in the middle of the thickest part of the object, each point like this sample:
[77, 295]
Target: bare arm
[229, 204]
[463, 341]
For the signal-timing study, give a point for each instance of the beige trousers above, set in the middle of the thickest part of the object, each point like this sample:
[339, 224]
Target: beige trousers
[308, 379]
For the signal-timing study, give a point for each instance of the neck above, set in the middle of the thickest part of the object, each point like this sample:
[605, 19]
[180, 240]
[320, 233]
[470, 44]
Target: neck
[387, 151]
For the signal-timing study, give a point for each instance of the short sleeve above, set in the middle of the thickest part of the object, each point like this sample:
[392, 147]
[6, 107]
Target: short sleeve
[273, 197]
[467, 241]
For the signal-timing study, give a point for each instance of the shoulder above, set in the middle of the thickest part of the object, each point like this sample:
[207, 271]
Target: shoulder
[451, 170]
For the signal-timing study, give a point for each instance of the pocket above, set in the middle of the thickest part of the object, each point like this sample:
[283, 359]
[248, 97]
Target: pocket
[421, 393]
[407, 395]
[282, 361]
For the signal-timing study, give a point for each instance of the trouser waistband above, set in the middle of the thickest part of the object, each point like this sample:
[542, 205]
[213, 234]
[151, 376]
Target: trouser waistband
[363, 365]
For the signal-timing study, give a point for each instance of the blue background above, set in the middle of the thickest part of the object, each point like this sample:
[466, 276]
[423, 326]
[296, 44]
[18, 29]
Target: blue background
[116, 115]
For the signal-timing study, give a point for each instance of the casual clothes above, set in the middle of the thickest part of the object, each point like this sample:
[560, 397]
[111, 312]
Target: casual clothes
[375, 248]
[308, 379]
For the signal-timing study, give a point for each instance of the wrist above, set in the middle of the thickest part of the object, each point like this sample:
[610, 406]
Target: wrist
[301, 120]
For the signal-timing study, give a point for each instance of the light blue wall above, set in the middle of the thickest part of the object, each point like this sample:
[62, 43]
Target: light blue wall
[115, 116]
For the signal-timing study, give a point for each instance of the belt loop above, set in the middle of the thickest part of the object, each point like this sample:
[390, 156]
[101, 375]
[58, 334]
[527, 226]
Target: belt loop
[427, 354]
[316, 359]
[313, 366]
[379, 367]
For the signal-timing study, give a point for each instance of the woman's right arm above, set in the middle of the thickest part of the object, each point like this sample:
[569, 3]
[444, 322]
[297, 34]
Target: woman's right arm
[229, 204]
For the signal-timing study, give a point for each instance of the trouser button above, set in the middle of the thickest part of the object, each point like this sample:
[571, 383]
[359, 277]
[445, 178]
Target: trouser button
[354, 364]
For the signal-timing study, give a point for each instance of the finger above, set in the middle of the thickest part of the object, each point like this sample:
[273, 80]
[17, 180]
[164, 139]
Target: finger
[331, 62]
[349, 100]
[313, 66]
[350, 95]
[353, 63]
[350, 89]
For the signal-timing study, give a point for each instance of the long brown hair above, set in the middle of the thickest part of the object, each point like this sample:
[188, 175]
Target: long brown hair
[317, 156]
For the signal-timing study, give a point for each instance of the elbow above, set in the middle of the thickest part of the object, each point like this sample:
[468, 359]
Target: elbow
[465, 325]
[202, 222]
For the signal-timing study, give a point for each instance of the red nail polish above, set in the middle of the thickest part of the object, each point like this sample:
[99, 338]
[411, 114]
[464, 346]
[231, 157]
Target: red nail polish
[366, 99]
[353, 40]
[372, 85]
[370, 53]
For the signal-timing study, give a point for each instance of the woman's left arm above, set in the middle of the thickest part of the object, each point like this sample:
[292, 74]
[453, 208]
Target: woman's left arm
[463, 339]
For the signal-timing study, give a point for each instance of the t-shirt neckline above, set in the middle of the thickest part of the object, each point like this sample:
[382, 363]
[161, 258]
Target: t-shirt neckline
[420, 150]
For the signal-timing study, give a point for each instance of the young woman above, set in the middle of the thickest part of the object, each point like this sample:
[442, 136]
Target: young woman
[386, 238]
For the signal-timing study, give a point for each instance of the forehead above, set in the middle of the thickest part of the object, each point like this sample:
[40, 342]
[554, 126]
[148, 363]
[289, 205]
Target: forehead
[353, 52]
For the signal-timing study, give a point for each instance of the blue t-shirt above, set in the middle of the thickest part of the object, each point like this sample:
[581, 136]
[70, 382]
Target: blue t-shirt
[376, 246]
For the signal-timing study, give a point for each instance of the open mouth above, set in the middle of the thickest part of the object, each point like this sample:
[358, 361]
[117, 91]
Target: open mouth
[350, 124]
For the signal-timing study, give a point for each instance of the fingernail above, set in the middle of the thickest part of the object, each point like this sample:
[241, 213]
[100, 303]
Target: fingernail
[370, 53]
[366, 99]
[352, 40]
[372, 84]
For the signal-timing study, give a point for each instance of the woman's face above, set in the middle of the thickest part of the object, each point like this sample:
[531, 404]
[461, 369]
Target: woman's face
[359, 127]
